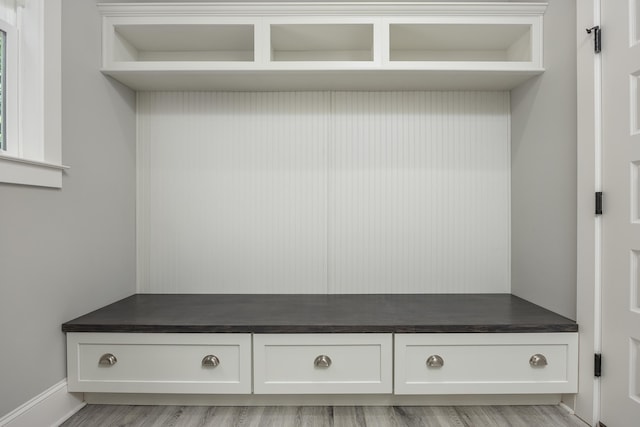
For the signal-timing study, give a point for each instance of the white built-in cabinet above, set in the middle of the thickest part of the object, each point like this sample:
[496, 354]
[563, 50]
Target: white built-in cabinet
[159, 363]
[320, 364]
[322, 46]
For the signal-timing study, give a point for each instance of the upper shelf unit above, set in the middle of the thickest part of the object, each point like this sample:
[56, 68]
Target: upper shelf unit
[322, 46]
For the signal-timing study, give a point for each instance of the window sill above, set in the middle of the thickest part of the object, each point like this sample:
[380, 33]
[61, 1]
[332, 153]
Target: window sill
[15, 170]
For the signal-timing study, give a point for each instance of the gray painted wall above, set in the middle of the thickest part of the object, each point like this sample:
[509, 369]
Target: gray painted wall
[66, 252]
[544, 181]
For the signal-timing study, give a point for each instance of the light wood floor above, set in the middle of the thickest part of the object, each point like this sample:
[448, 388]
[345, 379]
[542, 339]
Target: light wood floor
[321, 416]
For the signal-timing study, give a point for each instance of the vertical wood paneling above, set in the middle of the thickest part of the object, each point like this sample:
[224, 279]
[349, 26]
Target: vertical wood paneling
[232, 192]
[338, 192]
[419, 192]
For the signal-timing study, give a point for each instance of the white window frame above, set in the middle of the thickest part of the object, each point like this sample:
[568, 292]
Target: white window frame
[11, 85]
[34, 148]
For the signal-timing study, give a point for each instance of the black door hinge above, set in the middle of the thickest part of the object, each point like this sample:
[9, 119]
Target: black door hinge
[597, 38]
[597, 365]
[598, 202]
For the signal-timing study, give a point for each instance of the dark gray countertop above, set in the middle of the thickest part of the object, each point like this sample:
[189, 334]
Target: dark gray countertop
[434, 313]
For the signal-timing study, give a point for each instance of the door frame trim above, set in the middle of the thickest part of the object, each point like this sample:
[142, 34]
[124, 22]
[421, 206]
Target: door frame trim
[589, 166]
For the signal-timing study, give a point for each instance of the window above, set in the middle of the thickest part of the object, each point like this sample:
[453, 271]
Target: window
[30, 143]
[3, 85]
[8, 84]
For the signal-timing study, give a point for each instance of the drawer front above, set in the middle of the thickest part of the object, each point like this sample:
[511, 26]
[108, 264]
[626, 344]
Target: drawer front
[159, 363]
[486, 363]
[294, 363]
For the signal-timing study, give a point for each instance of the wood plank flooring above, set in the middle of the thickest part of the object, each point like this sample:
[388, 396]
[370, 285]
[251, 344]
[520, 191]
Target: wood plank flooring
[321, 416]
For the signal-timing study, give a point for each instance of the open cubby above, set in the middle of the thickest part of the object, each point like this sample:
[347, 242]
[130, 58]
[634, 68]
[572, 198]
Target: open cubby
[329, 46]
[460, 42]
[321, 42]
[180, 42]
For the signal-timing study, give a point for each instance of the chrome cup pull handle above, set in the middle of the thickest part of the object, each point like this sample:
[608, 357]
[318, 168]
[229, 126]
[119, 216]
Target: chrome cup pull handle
[210, 361]
[435, 361]
[538, 360]
[322, 361]
[107, 359]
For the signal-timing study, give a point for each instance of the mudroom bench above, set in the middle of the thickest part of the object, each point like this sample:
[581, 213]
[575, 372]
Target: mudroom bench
[393, 345]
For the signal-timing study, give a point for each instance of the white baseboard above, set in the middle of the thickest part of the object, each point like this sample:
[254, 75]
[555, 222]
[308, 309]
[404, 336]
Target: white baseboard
[568, 405]
[52, 407]
[315, 400]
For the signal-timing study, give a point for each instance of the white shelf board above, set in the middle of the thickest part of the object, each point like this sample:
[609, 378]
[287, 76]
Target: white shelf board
[293, 80]
[328, 8]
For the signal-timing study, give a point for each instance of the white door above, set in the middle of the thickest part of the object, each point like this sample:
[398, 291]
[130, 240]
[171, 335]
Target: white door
[620, 391]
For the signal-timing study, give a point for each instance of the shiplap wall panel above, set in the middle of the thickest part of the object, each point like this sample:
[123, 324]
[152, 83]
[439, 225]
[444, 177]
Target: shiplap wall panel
[338, 192]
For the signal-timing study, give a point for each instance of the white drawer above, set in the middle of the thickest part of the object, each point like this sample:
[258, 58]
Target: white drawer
[359, 363]
[159, 363]
[486, 363]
